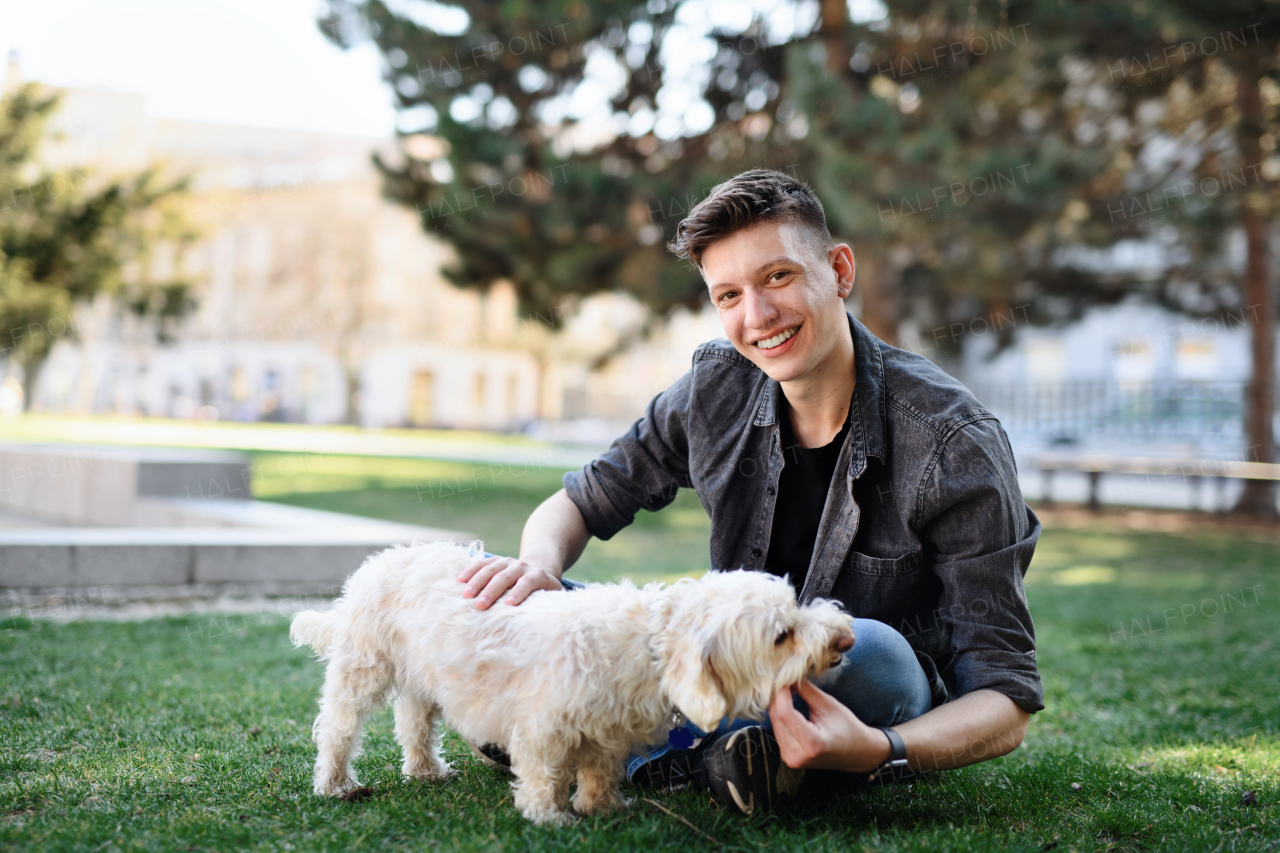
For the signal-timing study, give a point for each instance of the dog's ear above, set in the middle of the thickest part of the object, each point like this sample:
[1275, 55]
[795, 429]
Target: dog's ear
[690, 680]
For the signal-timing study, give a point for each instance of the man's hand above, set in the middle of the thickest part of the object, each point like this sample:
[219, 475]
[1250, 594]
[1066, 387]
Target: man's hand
[553, 539]
[488, 578]
[831, 739]
[974, 727]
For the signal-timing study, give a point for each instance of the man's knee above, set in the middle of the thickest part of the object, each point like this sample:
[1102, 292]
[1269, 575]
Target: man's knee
[878, 646]
[880, 678]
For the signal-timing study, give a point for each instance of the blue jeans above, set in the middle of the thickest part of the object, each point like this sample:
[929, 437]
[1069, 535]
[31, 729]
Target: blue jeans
[880, 680]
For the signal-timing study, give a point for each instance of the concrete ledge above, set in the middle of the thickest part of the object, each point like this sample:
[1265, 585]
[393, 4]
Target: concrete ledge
[75, 601]
[280, 563]
[129, 564]
[138, 516]
[78, 557]
[32, 565]
[292, 546]
[89, 484]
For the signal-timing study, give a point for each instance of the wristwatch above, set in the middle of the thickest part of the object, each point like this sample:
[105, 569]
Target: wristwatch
[897, 756]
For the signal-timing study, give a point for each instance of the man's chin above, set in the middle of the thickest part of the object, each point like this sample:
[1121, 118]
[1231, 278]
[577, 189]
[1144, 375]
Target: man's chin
[781, 372]
[783, 369]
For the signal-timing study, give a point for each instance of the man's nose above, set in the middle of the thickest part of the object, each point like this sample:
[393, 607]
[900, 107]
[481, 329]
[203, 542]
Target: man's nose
[761, 313]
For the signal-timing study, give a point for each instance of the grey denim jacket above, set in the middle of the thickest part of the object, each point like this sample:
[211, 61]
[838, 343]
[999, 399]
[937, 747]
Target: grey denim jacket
[926, 530]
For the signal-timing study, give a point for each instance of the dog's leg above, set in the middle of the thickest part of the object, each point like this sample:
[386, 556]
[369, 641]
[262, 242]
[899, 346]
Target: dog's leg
[419, 731]
[352, 689]
[541, 789]
[598, 776]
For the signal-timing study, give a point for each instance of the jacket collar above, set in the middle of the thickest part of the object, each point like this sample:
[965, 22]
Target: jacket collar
[868, 410]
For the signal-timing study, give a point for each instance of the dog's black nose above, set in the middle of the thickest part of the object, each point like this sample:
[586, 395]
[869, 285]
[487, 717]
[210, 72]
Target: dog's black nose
[843, 643]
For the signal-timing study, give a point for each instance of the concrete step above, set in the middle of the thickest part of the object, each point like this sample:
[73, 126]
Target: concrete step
[78, 516]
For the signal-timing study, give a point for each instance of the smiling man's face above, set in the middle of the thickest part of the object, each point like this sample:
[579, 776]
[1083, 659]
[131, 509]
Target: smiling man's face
[780, 297]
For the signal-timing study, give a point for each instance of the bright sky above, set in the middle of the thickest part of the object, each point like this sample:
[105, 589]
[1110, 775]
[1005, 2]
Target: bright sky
[252, 62]
[266, 63]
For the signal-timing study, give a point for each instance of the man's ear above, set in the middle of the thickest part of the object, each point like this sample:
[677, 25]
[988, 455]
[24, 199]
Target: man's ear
[690, 681]
[841, 259]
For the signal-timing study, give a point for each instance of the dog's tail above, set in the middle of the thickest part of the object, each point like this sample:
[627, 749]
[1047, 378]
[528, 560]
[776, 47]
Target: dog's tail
[314, 629]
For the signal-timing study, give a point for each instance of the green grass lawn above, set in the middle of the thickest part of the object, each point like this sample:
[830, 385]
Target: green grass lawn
[194, 734]
[491, 502]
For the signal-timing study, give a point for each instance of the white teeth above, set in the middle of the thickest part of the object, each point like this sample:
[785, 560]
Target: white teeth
[777, 339]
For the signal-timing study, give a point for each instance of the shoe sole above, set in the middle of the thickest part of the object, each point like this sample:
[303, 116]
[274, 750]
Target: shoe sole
[745, 771]
[504, 769]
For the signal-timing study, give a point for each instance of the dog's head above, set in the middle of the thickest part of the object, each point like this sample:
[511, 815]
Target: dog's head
[730, 641]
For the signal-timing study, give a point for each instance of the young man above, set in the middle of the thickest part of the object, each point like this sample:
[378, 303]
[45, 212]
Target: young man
[859, 471]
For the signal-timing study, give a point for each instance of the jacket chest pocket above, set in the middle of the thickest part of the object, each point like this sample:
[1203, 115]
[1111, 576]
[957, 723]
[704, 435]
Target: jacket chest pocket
[880, 588]
[907, 564]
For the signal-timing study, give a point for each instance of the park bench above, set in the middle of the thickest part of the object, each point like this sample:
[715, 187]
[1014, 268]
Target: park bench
[1198, 470]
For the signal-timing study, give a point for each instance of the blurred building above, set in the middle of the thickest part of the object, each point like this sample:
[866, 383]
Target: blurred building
[1131, 376]
[316, 298]
[310, 289]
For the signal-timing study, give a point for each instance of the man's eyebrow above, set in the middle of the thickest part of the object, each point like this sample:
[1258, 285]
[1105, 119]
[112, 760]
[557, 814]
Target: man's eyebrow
[773, 262]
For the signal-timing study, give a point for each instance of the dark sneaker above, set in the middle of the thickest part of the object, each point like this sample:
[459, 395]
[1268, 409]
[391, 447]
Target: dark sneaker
[673, 768]
[493, 756]
[745, 771]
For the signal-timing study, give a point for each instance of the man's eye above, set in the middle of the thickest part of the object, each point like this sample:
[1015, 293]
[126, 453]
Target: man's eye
[779, 275]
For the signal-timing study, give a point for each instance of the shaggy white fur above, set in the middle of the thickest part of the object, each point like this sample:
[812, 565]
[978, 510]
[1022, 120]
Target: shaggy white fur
[565, 681]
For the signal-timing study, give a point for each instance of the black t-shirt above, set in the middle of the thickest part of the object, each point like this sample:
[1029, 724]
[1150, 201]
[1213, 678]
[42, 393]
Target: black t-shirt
[802, 494]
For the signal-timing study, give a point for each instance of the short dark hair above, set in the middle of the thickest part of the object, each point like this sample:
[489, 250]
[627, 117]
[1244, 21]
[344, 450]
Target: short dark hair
[752, 197]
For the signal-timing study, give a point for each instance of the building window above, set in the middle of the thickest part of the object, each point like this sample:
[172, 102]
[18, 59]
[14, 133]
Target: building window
[420, 400]
[478, 392]
[513, 392]
[239, 384]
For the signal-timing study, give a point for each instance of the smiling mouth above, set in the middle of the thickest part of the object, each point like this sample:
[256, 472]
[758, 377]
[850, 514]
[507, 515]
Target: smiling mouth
[778, 339]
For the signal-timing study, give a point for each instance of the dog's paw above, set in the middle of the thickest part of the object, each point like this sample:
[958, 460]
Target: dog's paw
[428, 772]
[548, 816]
[604, 802]
[334, 786]
[330, 788]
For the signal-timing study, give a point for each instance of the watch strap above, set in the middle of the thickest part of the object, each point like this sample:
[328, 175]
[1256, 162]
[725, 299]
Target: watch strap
[898, 747]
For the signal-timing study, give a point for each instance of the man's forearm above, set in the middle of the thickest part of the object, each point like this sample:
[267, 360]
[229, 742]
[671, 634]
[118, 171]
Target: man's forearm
[555, 534]
[977, 726]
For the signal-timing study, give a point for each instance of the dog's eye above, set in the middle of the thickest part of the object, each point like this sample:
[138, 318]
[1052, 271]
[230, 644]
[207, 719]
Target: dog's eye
[784, 636]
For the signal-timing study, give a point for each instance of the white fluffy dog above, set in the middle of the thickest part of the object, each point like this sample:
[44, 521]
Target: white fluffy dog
[565, 681]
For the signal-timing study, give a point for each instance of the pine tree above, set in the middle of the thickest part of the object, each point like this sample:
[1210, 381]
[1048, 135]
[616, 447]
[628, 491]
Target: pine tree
[65, 238]
[1219, 74]
[968, 150]
[500, 175]
[902, 125]
[1086, 109]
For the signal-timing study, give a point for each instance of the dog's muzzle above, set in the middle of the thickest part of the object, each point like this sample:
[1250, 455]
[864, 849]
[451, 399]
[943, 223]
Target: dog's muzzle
[841, 644]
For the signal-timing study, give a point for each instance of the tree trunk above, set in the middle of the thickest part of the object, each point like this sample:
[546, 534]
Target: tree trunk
[1259, 495]
[877, 279]
[353, 395]
[878, 283]
[835, 25]
[30, 378]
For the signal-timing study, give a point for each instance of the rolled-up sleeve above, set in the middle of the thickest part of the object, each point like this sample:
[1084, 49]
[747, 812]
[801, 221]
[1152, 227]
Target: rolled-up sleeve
[643, 469]
[980, 535]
